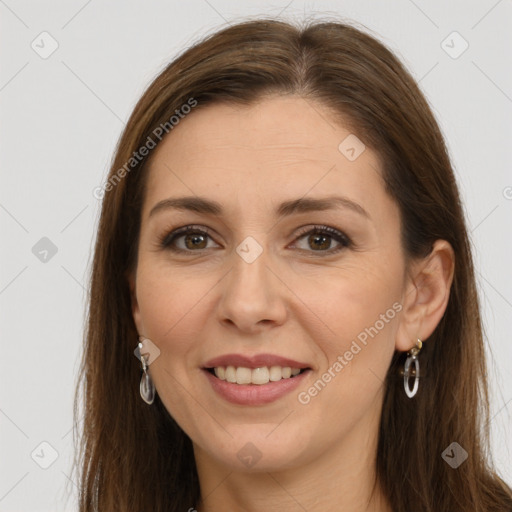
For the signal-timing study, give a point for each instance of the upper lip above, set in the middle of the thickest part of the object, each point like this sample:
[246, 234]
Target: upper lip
[256, 361]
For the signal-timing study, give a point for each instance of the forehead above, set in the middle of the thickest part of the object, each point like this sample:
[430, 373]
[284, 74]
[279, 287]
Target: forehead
[289, 124]
[255, 153]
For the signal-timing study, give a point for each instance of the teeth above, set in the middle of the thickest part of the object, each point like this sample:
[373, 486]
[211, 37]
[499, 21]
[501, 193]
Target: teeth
[260, 375]
[276, 373]
[230, 374]
[263, 375]
[243, 375]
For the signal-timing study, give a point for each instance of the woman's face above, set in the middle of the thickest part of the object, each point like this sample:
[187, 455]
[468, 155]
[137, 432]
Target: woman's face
[261, 284]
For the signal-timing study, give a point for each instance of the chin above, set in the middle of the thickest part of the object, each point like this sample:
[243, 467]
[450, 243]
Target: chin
[256, 451]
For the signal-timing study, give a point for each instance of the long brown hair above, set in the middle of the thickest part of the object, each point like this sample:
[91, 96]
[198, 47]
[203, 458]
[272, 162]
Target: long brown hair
[133, 457]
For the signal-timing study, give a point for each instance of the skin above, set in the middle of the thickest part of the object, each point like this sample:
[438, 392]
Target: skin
[298, 299]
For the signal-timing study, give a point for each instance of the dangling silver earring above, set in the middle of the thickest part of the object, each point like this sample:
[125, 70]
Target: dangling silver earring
[147, 388]
[412, 357]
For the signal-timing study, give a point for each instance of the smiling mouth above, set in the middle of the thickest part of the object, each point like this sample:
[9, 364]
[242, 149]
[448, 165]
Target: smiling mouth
[255, 376]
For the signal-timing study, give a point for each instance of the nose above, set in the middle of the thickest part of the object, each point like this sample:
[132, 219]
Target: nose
[253, 296]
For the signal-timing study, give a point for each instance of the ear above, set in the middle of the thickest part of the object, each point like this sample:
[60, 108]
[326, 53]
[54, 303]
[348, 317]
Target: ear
[426, 294]
[135, 305]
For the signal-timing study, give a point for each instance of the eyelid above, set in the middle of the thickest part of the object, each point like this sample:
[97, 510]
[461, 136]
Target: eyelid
[343, 240]
[169, 237]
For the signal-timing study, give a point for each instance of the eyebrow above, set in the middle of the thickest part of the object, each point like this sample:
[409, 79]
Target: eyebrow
[302, 205]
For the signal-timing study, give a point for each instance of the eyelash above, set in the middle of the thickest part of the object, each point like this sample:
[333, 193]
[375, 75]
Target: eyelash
[166, 241]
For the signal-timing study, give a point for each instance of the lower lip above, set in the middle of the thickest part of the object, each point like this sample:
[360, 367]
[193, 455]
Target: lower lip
[255, 394]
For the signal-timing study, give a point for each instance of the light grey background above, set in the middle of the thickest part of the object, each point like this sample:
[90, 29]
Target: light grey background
[62, 115]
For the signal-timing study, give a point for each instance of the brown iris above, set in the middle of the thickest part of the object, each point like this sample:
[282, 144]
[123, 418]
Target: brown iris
[195, 239]
[323, 241]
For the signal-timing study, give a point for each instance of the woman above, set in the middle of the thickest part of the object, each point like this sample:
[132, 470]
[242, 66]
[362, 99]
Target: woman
[282, 243]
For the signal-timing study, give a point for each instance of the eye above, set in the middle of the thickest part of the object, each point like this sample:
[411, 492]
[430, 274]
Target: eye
[192, 238]
[320, 238]
[186, 239]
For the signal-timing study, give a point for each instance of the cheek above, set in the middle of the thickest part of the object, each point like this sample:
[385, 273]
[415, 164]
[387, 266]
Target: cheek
[363, 317]
[362, 311]
[357, 302]
[168, 301]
